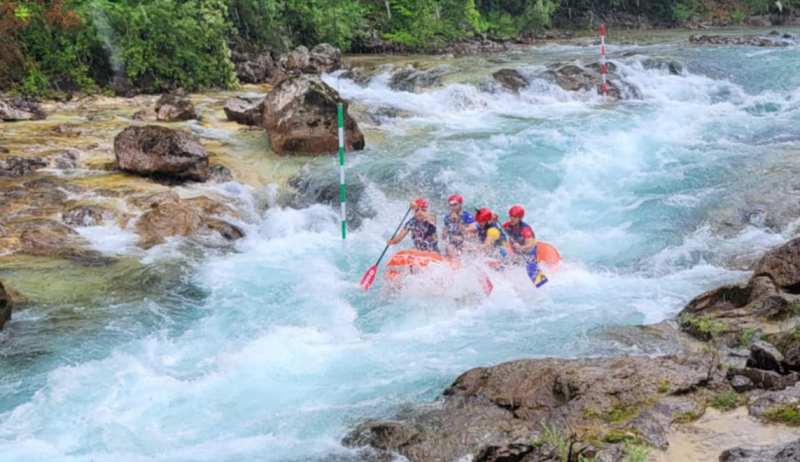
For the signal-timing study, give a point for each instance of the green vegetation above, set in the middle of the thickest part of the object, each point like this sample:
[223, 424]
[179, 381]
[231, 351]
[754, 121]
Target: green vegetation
[747, 336]
[636, 453]
[627, 436]
[552, 436]
[663, 386]
[686, 417]
[704, 326]
[55, 47]
[788, 414]
[725, 401]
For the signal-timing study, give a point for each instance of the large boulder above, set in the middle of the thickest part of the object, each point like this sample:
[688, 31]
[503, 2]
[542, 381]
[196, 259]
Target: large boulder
[160, 151]
[778, 453]
[510, 79]
[6, 305]
[16, 109]
[502, 409]
[244, 111]
[300, 117]
[325, 58]
[174, 107]
[782, 266]
[297, 61]
[196, 218]
[256, 67]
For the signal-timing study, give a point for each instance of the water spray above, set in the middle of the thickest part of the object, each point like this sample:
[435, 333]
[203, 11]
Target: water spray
[603, 63]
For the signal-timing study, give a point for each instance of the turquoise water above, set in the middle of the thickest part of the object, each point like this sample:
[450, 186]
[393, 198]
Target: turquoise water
[273, 353]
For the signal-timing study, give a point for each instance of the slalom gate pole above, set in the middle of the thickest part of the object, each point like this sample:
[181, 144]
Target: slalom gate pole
[603, 63]
[342, 188]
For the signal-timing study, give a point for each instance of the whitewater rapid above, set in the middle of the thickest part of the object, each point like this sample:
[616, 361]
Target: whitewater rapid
[273, 353]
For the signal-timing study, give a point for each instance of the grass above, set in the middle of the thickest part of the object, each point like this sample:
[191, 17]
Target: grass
[553, 437]
[795, 308]
[686, 417]
[704, 326]
[636, 453]
[663, 386]
[725, 401]
[620, 413]
[788, 414]
[747, 336]
[627, 436]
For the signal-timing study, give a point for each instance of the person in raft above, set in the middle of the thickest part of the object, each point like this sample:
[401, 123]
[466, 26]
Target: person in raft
[422, 227]
[523, 243]
[457, 223]
[493, 239]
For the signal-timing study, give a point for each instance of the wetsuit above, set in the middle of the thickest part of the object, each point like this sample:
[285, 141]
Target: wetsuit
[424, 234]
[455, 228]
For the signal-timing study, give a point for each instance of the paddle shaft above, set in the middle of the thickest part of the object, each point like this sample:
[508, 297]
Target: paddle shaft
[393, 235]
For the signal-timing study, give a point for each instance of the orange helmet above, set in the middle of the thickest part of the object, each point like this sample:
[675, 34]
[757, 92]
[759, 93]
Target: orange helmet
[484, 215]
[516, 211]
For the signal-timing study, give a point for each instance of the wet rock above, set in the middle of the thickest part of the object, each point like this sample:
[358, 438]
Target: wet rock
[159, 151]
[318, 188]
[173, 107]
[511, 79]
[571, 77]
[765, 356]
[782, 266]
[490, 410]
[64, 160]
[325, 58]
[256, 67]
[18, 109]
[6, 306]
[142, 114]
[362, 74]
[220, 173]
[244, 111]
[49, 238]
[15, 166]
[300, 117]
[673, 67]
[151, 201]
[741, 383]
[748, 40]
[181, 218]
[411, 79]
[87, 215]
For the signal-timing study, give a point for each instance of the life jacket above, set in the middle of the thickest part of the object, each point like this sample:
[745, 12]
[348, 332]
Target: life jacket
[519, 233]
[501, 241]
[424, 235]
[455, 231]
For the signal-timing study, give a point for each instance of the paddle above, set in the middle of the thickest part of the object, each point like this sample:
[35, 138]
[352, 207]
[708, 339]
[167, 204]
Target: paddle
[532, 268]
[369, 276]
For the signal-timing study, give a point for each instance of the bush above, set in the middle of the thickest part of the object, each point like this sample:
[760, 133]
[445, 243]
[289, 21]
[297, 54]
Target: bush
[725, 401]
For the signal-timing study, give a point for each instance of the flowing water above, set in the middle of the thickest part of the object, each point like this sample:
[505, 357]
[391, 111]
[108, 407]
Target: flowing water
[273, 353]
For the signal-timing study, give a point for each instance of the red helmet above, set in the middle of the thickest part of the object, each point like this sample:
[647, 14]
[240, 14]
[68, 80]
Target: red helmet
[484, 215]
[421, 203]
[516, 211]
[456, 198]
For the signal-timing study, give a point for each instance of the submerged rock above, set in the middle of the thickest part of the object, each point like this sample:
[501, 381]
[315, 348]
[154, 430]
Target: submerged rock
[6, 306]
[571, 77]
[18, 109]
[187, 218]
[244, 111]
[87, 215]
[309, 188]
[412, 79]
[673, 67]
[154, 150]
[747, 40]
[511, 79]
[174, 107]
[300, 117]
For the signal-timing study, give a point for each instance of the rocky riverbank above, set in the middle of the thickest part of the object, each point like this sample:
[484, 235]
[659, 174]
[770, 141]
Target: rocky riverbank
[736, 346]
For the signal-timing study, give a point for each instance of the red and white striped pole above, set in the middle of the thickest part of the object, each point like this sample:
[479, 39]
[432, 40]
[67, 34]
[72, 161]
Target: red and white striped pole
[603, 63]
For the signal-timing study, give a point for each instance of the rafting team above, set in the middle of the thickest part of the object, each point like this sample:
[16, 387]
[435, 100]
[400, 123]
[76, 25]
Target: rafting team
[512, 242]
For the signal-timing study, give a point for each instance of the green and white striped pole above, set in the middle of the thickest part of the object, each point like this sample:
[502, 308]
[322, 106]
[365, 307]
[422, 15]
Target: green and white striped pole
[342, 188]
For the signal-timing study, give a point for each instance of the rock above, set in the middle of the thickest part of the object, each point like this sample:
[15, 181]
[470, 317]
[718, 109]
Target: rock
[741, 383]
[6, 306]
[571, 77]
[761, 405]
[220, 173]
[782, 266]
[300, 117]
[87, 215]
[325, 58]
[256, 67]
[748, 40]
[18, 109]
[492, 410]
[765, 356]
[182, 218]
[244, 111]
[321, 188]
[411, 79]
[142, 114]
[759, 21]
[788, 343]
[20, 166]
[159, 151]
[766, 380]
[673, 67]
[789, 453]
[173, 107]
[511, 79]
[297, 61]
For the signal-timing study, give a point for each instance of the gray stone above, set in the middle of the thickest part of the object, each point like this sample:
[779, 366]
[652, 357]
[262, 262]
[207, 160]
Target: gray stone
[765, 356]
[160, 151]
